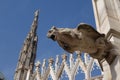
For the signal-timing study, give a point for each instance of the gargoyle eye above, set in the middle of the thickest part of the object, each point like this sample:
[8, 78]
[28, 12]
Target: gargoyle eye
[54, 28]
[50, 31]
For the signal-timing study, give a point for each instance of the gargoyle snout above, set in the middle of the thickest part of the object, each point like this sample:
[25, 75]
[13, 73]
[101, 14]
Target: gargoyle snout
[51, 35]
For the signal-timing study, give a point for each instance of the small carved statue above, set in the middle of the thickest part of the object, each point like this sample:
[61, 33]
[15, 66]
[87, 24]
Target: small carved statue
[84, 38]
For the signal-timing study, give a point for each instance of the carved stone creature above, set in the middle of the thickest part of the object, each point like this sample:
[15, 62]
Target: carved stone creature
[84, 38]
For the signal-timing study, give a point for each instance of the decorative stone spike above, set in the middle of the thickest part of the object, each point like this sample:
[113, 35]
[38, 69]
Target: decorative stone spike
[71, 61]
[78, 54]
[51, 61]
[37, 64]
[38, 75]
[43, 66]
[64, 57]
[44, 62]
[57, 59]
[57, 63]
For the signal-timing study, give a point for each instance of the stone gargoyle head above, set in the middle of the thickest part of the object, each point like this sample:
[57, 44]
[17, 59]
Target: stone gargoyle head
[83, 38]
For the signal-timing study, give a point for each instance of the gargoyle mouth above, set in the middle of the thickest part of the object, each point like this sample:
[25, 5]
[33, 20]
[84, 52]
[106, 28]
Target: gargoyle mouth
[53, 37]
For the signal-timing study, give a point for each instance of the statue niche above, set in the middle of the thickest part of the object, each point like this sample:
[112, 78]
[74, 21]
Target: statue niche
[83, 38]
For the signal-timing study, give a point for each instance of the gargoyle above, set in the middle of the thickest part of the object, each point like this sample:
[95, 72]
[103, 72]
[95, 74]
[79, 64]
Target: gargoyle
[84, 38]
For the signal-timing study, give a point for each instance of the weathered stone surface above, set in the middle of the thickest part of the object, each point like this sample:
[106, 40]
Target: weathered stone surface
[84, 38]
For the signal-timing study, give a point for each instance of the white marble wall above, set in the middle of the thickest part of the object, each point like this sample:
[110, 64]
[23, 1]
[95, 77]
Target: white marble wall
[107, 17]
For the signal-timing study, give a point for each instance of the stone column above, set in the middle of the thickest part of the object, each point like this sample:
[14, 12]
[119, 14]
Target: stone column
[107, 17]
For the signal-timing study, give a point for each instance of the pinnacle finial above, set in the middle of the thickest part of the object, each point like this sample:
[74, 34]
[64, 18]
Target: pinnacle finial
[36, 13]
[51, 60]
[37, 64]
[35, 22]
[64, 56]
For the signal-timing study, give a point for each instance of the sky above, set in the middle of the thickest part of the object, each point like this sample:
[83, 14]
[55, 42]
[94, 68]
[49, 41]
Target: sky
[16, 17]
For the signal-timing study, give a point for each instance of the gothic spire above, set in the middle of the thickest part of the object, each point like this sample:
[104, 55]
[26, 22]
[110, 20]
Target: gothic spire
[35, 22]
[28, 52]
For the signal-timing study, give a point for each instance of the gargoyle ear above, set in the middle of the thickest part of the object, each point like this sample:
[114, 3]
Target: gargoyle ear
[79, 26]
[53, 27]
[85, 27]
